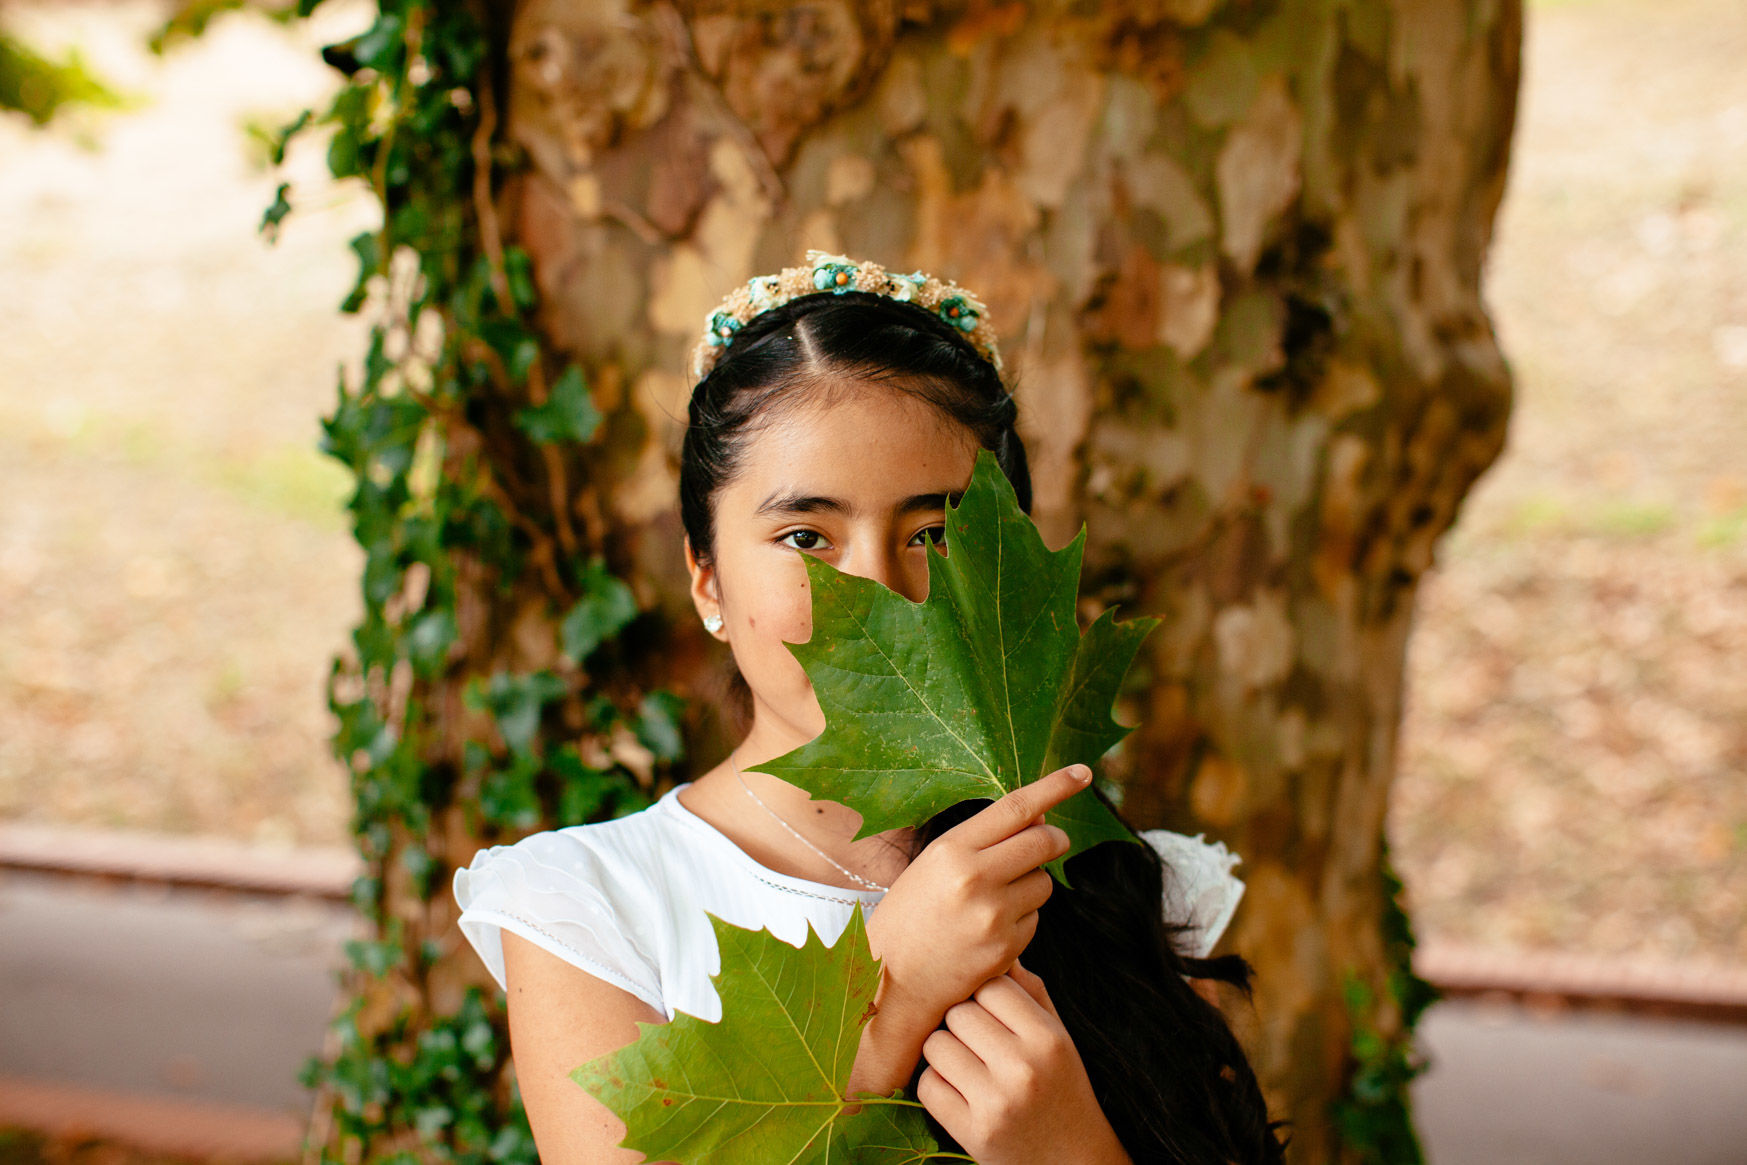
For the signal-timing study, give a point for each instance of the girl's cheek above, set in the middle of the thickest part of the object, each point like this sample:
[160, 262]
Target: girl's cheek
[789, 623]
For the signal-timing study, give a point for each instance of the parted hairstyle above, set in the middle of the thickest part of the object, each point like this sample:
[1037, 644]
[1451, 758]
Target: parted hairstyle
[1167, 1070]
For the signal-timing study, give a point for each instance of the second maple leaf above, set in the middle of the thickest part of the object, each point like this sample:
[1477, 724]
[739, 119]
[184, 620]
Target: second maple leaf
[986, 685]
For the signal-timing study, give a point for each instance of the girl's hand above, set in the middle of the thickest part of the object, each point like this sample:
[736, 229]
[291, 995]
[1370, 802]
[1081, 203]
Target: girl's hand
[965, 908]
[1005, 1080]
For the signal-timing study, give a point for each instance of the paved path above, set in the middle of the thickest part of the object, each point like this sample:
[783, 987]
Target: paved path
[213, 998]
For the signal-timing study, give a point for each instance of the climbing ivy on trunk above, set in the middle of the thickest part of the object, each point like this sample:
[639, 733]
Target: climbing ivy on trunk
[487, 689]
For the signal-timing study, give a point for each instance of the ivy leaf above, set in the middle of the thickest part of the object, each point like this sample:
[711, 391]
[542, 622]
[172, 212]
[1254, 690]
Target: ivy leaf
[276, 213]
[605, 608]
[985, 686]
[768, 1082]
[658, 725]
[568, 414]
[517, 347]
[516, 702]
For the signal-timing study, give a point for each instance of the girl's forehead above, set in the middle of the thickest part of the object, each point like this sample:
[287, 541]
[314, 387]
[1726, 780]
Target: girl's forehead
[867, 445]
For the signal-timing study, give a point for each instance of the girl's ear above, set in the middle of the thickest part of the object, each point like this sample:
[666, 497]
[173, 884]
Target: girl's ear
[705, 596]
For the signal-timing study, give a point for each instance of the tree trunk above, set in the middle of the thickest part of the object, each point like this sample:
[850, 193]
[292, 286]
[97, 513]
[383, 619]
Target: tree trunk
[1233, 250]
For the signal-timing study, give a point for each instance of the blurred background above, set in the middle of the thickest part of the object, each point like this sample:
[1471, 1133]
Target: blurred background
[175, 576]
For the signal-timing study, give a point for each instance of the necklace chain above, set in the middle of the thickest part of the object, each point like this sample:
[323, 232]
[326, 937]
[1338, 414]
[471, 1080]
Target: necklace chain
[795, 833]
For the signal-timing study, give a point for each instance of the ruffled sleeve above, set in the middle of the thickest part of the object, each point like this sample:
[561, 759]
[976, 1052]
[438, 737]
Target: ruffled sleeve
[1200, 888]
[554, 891]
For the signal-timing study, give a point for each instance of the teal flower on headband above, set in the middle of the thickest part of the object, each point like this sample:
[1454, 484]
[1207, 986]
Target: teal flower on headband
[959, 313]
[722, 329]
[905, 287]
[838, 277]
[761, 290]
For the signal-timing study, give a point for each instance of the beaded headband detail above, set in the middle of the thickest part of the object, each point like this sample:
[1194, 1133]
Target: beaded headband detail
[839, 273]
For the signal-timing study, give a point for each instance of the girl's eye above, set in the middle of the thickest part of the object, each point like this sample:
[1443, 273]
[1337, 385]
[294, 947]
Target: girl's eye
[929, 536]
[804, 540]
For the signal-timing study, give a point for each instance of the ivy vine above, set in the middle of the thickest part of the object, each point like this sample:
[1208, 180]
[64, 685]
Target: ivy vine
[463, 435]
[1375, 1116]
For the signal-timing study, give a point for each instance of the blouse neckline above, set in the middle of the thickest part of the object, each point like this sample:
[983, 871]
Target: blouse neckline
[671, 804]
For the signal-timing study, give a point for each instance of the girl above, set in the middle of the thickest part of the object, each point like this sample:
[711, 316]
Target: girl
[837, 408]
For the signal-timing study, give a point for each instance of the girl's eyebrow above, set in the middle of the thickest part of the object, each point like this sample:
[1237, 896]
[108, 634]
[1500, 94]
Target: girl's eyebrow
[794, 503]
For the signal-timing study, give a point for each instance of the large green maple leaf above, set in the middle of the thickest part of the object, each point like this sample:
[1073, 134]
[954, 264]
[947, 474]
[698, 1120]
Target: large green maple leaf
[767, 1084]
[985, 686]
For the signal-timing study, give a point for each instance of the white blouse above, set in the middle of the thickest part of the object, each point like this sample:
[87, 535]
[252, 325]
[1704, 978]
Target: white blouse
[626, 900]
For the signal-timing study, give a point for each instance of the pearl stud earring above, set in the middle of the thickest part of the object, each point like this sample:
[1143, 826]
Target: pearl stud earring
[712, 623]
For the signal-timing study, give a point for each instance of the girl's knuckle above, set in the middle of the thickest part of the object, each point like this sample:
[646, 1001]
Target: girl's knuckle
[1015, 812]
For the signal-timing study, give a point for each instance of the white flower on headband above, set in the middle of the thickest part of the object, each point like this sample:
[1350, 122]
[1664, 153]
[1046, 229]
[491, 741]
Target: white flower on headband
[838, 273]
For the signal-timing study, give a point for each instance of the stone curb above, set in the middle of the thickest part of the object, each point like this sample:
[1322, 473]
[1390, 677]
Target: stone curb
[1546, 979]
[170, 860]
[167, 1125]
[1707, 991]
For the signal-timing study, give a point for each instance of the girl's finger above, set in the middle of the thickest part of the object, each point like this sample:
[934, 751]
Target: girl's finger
[978, 1028]
[1028, 849]
[1033, 985]
[1031, 891]
[1022, 806]
[948, 1055]
[1012, 1006]
[939, 1097]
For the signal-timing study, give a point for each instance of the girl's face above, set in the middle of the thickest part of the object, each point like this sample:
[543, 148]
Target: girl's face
[859, 479]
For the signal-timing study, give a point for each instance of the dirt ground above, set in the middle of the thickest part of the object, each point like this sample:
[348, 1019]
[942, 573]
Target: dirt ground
[1574, 762]
[175, 575]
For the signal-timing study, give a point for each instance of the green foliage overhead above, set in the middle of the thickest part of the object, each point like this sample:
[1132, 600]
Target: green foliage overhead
[985, 686]
[38, 87]
[189, 19]
[770, 1081]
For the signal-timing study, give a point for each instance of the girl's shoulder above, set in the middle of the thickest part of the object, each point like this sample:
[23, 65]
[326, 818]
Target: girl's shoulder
[630, 900]
[568, 852]
[582, 893]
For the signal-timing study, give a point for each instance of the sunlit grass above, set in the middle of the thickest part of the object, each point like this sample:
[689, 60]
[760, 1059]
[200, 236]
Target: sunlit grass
[1627, 518]
[1724, 530]
[290, 480]
[1616, 518]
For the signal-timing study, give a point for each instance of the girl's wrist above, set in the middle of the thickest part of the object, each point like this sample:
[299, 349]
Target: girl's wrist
[891, 1046]
[1104, 1148]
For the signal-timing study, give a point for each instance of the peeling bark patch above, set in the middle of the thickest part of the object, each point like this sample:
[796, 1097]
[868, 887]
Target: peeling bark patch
[1258, 172]
[1256, 641]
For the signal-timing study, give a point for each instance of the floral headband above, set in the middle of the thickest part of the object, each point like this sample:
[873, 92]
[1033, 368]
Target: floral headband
[839, 273]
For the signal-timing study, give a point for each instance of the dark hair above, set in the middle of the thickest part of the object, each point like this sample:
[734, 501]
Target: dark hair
[1166, 1068]
[790, 354]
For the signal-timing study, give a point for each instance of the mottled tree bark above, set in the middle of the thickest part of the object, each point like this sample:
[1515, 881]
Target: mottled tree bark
[1234, 253]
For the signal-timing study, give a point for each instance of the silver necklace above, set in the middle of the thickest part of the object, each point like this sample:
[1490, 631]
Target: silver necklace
[850, 874]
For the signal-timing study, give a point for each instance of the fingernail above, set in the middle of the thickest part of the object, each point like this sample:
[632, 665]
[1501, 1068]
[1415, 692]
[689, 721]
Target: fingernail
[1082, 774]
